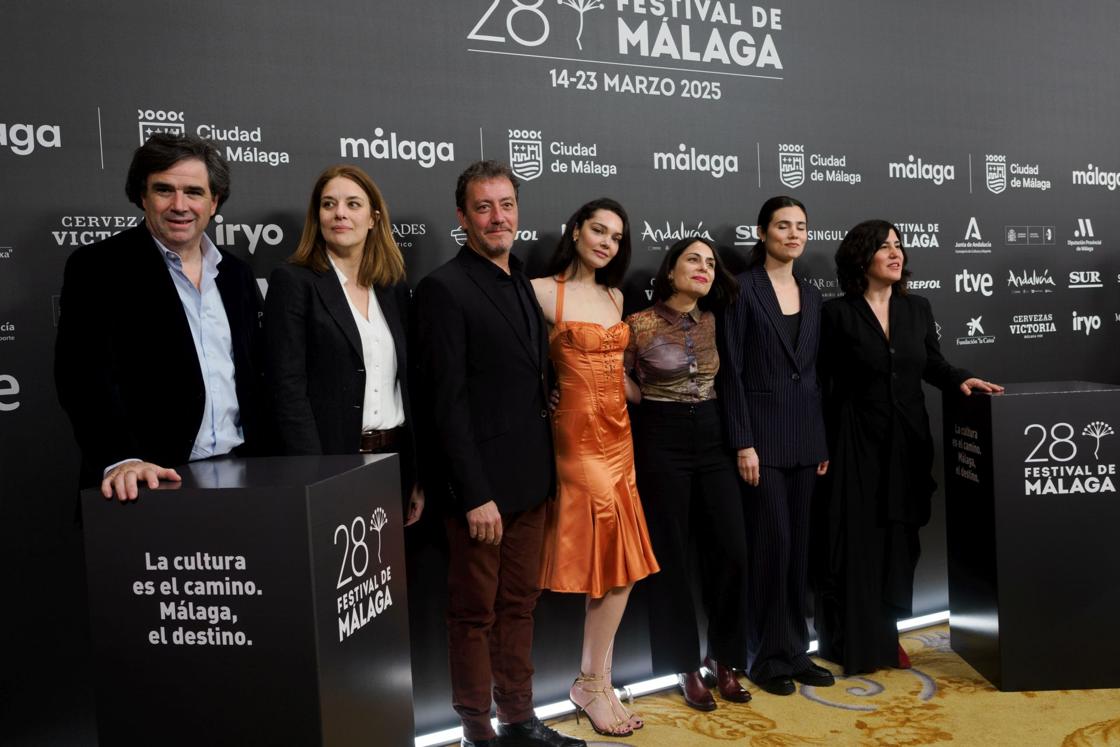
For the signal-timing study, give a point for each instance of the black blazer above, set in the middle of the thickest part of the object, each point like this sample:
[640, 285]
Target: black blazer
[126, 370]
[769, 388]
[488, 423]
[315, 369]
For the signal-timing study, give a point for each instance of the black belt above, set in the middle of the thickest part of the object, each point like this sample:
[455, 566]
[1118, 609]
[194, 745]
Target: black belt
[374, 441]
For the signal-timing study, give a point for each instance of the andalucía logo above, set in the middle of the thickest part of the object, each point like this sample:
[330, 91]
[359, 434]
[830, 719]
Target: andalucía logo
[791, 165]
[995, 172]
[160, 120]
[526, 154]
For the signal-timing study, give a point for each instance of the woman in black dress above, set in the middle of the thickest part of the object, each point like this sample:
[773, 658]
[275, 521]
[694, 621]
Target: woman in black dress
[878, 343]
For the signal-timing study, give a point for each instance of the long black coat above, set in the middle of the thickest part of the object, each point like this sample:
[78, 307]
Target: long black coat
[877, 492]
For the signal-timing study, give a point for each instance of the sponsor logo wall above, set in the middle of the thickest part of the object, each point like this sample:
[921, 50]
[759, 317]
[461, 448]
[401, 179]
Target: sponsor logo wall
[690, 113]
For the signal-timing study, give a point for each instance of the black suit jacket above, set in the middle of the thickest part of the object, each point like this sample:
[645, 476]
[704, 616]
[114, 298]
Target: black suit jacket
[126, 370]
[768, 385]
[315, 368]
[488, 423]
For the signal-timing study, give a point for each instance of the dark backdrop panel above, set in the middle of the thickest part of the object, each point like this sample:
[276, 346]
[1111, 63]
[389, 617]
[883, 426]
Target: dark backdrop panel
[988, 132]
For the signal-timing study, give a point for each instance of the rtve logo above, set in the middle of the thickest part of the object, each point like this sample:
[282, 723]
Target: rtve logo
[970, 282]
[9, 388]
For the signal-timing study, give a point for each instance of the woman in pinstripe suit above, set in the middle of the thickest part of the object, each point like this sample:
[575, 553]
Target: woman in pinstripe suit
[772, 408]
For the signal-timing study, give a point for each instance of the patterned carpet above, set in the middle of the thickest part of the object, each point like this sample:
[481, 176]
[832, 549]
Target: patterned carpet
[940, 701]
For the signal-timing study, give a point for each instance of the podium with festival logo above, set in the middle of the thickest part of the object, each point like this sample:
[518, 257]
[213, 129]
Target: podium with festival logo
[1032, 510]
[262, 601]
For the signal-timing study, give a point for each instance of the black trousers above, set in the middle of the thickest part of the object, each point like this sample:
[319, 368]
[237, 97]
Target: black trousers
[688, 485]
[777, 513]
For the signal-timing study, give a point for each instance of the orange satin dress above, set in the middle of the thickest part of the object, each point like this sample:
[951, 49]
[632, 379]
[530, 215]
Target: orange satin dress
[595, 536]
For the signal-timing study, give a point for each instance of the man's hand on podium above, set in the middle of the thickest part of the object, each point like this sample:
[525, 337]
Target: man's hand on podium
[122, 479]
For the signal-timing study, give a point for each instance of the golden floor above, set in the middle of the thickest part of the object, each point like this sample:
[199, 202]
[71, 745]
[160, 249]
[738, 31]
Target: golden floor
[940, 701]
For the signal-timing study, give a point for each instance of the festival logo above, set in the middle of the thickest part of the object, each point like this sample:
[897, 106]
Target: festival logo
[1058, 461]
[923, 235]
[975, 333]
[152, 121]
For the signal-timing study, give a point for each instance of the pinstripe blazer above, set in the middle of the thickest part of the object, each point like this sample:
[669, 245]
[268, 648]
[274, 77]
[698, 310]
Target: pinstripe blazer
[769, 389]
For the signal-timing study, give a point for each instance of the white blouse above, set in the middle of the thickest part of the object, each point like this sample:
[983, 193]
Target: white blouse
[382, 406]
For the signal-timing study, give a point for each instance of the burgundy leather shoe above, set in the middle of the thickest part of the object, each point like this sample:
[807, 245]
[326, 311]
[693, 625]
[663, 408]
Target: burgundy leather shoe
[695, 694]
[729, 686]
[903, 659]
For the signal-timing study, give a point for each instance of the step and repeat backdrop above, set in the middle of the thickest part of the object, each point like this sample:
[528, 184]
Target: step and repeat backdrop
[987, 132]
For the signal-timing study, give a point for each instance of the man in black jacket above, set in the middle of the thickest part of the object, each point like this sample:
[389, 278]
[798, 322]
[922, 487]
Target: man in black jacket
[484, 365]
[156, 360]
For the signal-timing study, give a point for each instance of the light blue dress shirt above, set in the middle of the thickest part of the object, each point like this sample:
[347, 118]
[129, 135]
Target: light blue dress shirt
[220, 431]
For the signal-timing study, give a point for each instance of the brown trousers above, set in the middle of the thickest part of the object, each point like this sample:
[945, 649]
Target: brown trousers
[492, 591]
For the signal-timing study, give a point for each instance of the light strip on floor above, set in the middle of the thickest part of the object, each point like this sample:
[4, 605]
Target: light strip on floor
[645, 687]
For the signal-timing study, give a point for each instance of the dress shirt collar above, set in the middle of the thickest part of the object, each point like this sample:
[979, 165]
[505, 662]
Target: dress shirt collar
[672, 316]
[210, 254]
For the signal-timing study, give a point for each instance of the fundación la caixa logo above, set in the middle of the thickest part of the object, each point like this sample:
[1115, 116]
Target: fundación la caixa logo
[23, 139]
[975, 333]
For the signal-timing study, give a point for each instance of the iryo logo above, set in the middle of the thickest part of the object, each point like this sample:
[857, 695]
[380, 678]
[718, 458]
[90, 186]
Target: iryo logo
[225, 234]
[1086, 324]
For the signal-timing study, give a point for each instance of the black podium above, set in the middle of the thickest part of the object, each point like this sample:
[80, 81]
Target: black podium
[1032, 512]
[261, 602]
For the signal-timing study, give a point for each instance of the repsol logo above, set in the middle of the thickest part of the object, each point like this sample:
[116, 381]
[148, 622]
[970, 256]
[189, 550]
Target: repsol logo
[921, 285]
[226, 234]
[9, 390]
[425, 152]
[916, 168]
[687, 159]
[23, 138]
